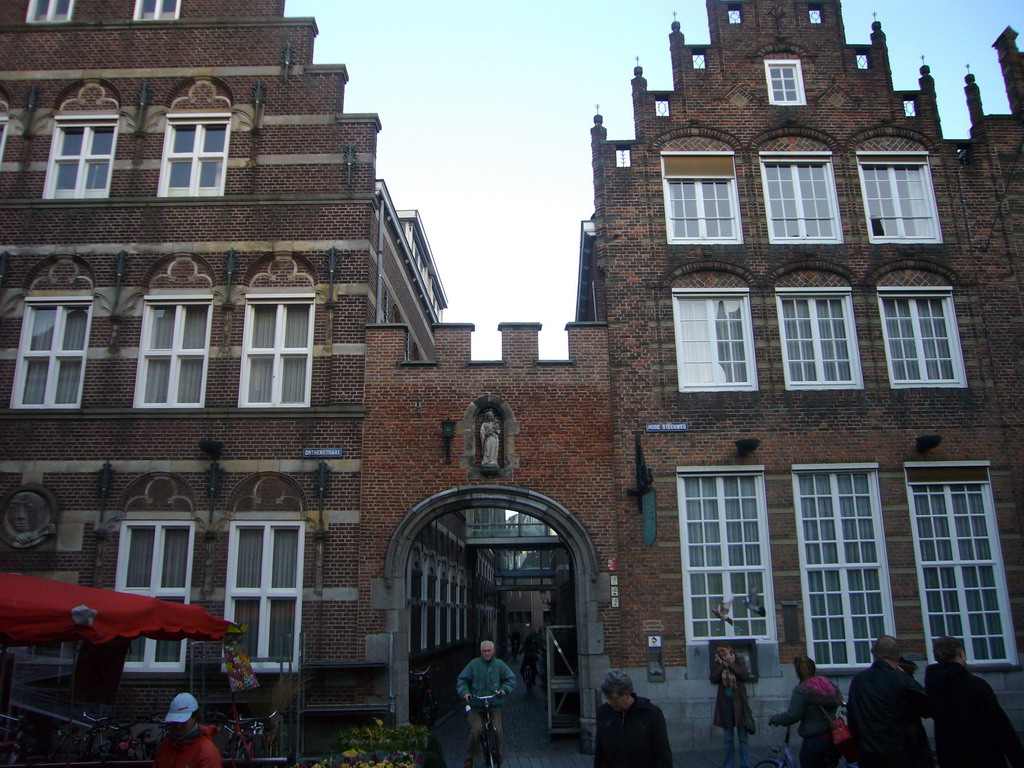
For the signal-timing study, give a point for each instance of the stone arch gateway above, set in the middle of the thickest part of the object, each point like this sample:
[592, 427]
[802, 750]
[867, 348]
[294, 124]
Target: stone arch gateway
[391, 595]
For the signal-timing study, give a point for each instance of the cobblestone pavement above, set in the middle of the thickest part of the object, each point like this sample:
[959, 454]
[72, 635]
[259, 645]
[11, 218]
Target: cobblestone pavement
[528, 745]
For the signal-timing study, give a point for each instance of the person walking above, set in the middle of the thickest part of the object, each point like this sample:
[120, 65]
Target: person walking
[187, 743]
[813, 704]
[885, 707]
[971, 729]
[631, 731]
[484, 676]
[732, 712]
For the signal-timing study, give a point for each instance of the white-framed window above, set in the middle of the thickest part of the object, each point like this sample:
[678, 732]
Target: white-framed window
[898, 198]
[195, 155]
[173, 354]
[50, 10]
[81, 158]
[701, 202]
[155, 559]
[959, 559]
[714, 339]
[156, 9]
[661, 108]
[819, 338]
[734, 12]
[843, 567]
[922, 341]
[785, 82]
[724, 539]
[3, 135]
[264, 587]
[800, 196]
[51, 359]
[814, 13]
[277, 356]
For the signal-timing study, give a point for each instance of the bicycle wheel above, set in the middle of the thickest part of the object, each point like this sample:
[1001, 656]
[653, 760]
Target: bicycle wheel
[769, 763]
[491, 757]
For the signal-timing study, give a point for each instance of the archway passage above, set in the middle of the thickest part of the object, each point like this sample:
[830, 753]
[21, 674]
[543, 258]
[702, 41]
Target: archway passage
[455, 568]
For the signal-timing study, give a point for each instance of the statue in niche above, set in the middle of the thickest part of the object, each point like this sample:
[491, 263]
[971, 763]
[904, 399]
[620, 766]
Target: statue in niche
[490, 434]
[27, 520]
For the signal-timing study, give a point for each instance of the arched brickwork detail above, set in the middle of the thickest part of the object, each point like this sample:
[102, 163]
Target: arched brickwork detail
[890, 139]
[912, 272]
[282, 270]
[201, 93]
[158, 492]
[184, 271]
[663, 141]
[268, 492]
[811, 273]
[710, 274]
[787, 49]
[696, 144]
[794, 139]
[88, 96]
[61, 273]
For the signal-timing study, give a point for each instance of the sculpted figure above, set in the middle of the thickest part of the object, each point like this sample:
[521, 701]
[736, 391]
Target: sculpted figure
[27, 520]
[490, 432]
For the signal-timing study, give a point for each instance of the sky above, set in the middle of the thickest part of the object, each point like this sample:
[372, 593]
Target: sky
[486, 110]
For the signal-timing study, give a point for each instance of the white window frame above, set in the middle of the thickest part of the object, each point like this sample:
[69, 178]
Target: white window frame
[197, 157]
[176, 354]
[726, 570]
[83, 161]
[851, 614]
[960, 561]
[718, 378]
[901, 213]
[801, 207]
[813, 297]
[177, 594]
[701, 186]
[158, 13]
[266, 591]
[796, 67]
[3, 135]
[54, 356]
[49, 17]
[278, 352]
[958, 378]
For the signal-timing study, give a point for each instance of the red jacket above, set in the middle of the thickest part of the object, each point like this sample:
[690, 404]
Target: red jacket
[201, 752]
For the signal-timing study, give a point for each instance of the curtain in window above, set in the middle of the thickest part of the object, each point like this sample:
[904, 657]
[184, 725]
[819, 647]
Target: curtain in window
[250, 558]
[162, 334]
[293, 383]
[157, 373]
[247, 611]
[190, 381]
[194, 332]
[43, 322]
[175, 557]
[261, 379]
[140, 557]
[296, 326]
[68, 375]
[74, 330]
[282, 627]
[264, 321]
[35, 382]
[286, 551]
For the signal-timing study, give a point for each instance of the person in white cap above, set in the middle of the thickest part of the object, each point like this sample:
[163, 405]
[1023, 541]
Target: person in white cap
[188, 744]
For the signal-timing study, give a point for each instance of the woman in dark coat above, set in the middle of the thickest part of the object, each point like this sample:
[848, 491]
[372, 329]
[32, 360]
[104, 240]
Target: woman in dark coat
[732, 713]
[813, 705]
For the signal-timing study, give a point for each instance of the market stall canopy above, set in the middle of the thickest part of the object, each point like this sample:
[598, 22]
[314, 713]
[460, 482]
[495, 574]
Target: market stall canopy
[34, 611]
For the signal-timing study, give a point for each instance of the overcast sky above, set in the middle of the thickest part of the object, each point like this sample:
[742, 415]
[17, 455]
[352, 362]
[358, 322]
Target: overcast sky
[487, 107]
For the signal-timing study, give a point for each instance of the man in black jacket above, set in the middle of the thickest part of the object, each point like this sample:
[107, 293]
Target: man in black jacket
[631, 731]
[970, 727]
[885, 708]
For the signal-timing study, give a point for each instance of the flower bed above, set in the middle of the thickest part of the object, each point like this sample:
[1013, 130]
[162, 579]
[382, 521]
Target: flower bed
[377, 746]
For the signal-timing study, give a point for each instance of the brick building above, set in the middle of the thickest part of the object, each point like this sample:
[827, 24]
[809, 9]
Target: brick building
[791, 287]
[795, 264]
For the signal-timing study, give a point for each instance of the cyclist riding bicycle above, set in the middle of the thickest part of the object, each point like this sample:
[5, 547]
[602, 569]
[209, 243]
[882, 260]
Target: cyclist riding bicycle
[482, 677]
[531, 653]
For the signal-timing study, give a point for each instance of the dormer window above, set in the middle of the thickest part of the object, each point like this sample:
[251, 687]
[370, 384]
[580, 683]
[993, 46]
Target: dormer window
[735, 13]
[814, 13]
[156, 9]
[50, 10]
[785, 82]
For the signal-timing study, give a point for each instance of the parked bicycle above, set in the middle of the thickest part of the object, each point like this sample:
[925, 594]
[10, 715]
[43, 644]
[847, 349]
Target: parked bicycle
[489, 744]
[13, 748]
[784, 756]
[247, 736]
[422, 704]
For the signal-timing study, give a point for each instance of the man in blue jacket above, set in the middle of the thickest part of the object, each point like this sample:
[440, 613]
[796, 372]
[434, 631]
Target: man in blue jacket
[484, 676]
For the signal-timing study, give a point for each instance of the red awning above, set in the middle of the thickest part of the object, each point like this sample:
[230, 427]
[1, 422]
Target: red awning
[34, 611]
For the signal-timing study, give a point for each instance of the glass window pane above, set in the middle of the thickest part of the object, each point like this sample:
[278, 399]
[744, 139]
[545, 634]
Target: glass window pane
[282, 628]
[261, 379]
[184, 139]
[194, 336]
[158, 372]
[181, 174]
[69, 374]
[43, 322]
[190, 381]
[102, 141]
[293, 381]
[215, 138]
[74, 330]
[35, 382]
[209, 174]
[247, 612]
[250, 558]
[161, 328]
[175, 557]
[296, 325]
[67, 175]
[140, 557]
[286, 552]
[96, 175]
[71, 144]
[264, 322]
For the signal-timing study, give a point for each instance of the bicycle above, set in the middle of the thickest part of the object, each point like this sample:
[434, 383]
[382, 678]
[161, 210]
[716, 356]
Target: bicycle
[488, 734]
[422, 704]
[785, 757]
[245, 735]
[529, 670]
[12, 744]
